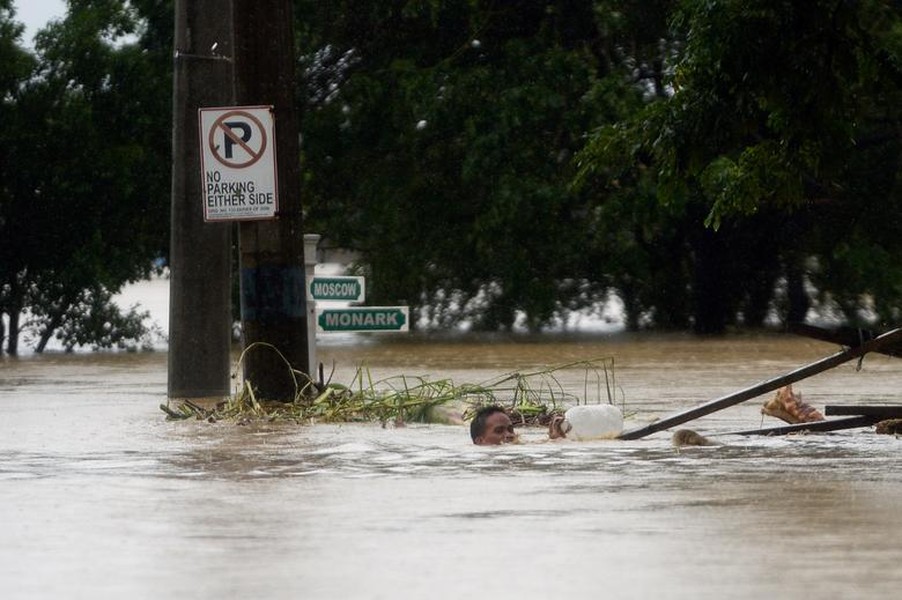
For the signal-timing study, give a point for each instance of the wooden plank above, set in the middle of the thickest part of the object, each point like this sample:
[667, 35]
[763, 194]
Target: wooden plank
[765, 386]
[844, 336]
[884, 411]
[816, 426]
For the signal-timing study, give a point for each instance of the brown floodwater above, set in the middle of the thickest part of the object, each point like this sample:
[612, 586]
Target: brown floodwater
[101, 497]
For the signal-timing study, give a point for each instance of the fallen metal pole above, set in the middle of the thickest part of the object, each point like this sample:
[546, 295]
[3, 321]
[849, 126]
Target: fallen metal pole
[765, 386]
[881, 411]
[844, 336]
[812, 427]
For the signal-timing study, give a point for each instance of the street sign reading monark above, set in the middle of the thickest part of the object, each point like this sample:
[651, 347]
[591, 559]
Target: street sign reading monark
[238, 163]
[348, 289]
[362, 318]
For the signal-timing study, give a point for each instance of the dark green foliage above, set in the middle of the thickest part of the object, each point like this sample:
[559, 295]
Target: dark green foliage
[710, 162]
[85, 175]
[781, 136]
[87, 319]
[443, 152]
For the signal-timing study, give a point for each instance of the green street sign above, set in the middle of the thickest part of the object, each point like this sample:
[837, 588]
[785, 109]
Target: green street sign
[362, 318]
[349, 289]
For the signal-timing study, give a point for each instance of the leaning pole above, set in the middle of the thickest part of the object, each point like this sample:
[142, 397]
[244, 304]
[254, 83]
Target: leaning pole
[200, 253]
[272, 274]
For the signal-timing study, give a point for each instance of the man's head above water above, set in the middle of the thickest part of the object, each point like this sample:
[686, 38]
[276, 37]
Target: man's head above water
[491, 426]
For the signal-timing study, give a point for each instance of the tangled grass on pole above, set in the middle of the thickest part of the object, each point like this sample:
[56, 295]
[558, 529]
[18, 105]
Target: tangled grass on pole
[531, 398]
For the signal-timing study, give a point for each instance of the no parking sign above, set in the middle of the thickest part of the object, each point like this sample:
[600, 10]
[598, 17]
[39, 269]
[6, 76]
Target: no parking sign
[238, 163]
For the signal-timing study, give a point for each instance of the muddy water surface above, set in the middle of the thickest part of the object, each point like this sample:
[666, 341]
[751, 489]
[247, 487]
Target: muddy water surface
[100, 497]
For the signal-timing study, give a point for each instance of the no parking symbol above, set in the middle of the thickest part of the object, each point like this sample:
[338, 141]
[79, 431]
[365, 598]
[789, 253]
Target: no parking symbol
[238, 163]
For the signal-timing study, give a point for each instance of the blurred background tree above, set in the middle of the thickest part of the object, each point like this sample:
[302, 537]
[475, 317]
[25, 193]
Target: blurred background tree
[85, 171]
[713, 165]
[439, 140]
[778, 149]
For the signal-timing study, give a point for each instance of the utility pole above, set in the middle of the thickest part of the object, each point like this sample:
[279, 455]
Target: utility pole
[200, 319]
[273, 290]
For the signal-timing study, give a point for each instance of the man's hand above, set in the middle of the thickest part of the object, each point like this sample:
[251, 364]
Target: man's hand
[558, 427]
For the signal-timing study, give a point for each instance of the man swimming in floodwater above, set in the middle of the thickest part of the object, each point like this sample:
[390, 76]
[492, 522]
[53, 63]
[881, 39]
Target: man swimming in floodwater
[492, 426]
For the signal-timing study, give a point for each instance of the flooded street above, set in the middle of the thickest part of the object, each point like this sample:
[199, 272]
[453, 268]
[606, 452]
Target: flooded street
[101, 497]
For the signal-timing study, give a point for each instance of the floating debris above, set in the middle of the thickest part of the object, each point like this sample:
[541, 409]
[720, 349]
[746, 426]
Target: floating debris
[687, 437]
[889, 427]
[531, 398]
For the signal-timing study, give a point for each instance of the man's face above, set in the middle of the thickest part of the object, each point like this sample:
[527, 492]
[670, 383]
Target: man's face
[498, 430]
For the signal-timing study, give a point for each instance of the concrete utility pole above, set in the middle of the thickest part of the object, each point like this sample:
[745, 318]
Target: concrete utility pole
[200, 318]
[273, 291]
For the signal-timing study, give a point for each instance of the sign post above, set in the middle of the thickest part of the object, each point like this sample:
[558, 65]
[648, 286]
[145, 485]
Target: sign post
[311, 240]
[238, 162]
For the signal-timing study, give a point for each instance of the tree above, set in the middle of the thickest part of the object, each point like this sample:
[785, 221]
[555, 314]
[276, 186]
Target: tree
[781, 138]
[438, 140]
[710, 162]
[86, 171]
[16, 66]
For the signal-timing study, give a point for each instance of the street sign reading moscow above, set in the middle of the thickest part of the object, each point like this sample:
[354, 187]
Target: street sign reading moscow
[238, 163]
[349, 289]
[362, 318]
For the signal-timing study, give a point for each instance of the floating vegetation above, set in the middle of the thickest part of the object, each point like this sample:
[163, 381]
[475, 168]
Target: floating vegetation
[531, 398]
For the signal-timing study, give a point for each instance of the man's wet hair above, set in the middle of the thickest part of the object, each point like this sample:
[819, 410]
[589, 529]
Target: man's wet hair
[478, 424]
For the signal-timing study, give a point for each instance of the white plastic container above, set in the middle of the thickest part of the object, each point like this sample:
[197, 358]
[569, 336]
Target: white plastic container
[592, 422]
